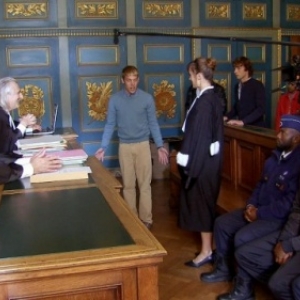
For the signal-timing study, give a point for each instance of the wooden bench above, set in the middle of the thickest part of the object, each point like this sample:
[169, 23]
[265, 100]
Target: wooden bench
[230, 198]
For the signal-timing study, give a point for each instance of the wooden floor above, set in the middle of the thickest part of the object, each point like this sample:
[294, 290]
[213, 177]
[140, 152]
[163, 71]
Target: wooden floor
[176, 281]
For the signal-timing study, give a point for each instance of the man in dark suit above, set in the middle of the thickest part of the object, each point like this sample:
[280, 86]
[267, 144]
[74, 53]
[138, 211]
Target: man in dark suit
[250, 97]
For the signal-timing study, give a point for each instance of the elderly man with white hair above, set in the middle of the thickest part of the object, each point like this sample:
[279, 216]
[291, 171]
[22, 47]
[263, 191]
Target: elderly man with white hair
[13, 166]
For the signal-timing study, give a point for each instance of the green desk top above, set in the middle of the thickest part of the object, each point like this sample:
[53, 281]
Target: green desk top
[57, 221]
[25, 184]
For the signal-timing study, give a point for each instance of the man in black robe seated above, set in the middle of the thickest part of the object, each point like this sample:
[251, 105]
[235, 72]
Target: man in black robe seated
[13, 167]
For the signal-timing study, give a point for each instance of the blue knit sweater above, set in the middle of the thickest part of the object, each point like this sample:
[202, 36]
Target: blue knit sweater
[134, 116]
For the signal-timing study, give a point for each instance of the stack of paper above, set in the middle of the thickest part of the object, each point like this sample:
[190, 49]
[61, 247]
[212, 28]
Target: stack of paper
[29, 146]
[76, 156]
[66, 173]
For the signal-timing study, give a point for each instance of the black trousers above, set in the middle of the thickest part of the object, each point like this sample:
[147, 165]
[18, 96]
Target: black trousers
[285, 283]
[232, 231]
[256, 259]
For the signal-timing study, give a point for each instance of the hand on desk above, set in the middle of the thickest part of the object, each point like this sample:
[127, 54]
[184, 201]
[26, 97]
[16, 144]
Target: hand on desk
[236, 123]
[43, 163]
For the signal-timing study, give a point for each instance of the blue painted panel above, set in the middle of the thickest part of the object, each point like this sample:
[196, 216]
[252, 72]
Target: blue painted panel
[220, 51]
[164, 54]
[168, 13]
[290, 14]
[256, 52]
[36, 14]
[92, 82]
[98, 55]
[157, 77]
[28, 57]
[44, 77]
[110, 13]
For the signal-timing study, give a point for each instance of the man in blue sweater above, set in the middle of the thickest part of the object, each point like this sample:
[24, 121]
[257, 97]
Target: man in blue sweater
[266, 211]
[250, 97]
[132, 111]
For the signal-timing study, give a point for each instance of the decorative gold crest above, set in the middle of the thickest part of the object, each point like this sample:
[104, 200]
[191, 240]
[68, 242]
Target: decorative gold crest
[218, 11]
[165, 99]
[293, 12]
[164, 10]
[26, 10]
[98, 98]
[33, 102]
[222, 82]
[254, 11]
[88, 10]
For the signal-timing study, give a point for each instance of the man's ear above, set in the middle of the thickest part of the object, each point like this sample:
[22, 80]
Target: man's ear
[296, 139]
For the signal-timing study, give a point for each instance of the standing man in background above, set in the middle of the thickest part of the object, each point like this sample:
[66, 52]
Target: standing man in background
[288, 103]
[132, 111]
[250, 97]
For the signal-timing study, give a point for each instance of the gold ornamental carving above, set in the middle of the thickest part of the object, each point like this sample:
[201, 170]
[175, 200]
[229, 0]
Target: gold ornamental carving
[293, 12]
[165, 102]
[33, 102]
[254, 12]
[96, 10]
[163, 10]
[218, 11]
[98, 98]
[29, 10]
[223, 82]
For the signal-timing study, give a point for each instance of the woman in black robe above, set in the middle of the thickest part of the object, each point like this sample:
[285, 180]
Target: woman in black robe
[200, 159]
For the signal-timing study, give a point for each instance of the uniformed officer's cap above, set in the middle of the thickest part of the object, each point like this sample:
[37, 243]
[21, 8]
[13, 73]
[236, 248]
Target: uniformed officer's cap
[290, 121]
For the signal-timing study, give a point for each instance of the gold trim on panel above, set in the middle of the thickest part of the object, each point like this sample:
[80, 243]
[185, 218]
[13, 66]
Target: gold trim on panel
[21, 10]
[74, 32]
[158, 10]
[209, 52]
[217, 11]
[263, 51]
[147, 46]
[254, 11]
[78, 55]
[8, 58]
[292, 12]
[96, 9]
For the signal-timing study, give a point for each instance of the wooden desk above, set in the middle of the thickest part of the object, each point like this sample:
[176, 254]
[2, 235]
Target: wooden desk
[128, 271]
[245, 151]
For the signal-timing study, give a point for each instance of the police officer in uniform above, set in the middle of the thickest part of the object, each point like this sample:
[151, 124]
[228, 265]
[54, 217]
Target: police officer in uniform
[266, 211]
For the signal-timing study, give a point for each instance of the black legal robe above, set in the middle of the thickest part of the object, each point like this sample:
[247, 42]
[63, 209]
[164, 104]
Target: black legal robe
[203, 171]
